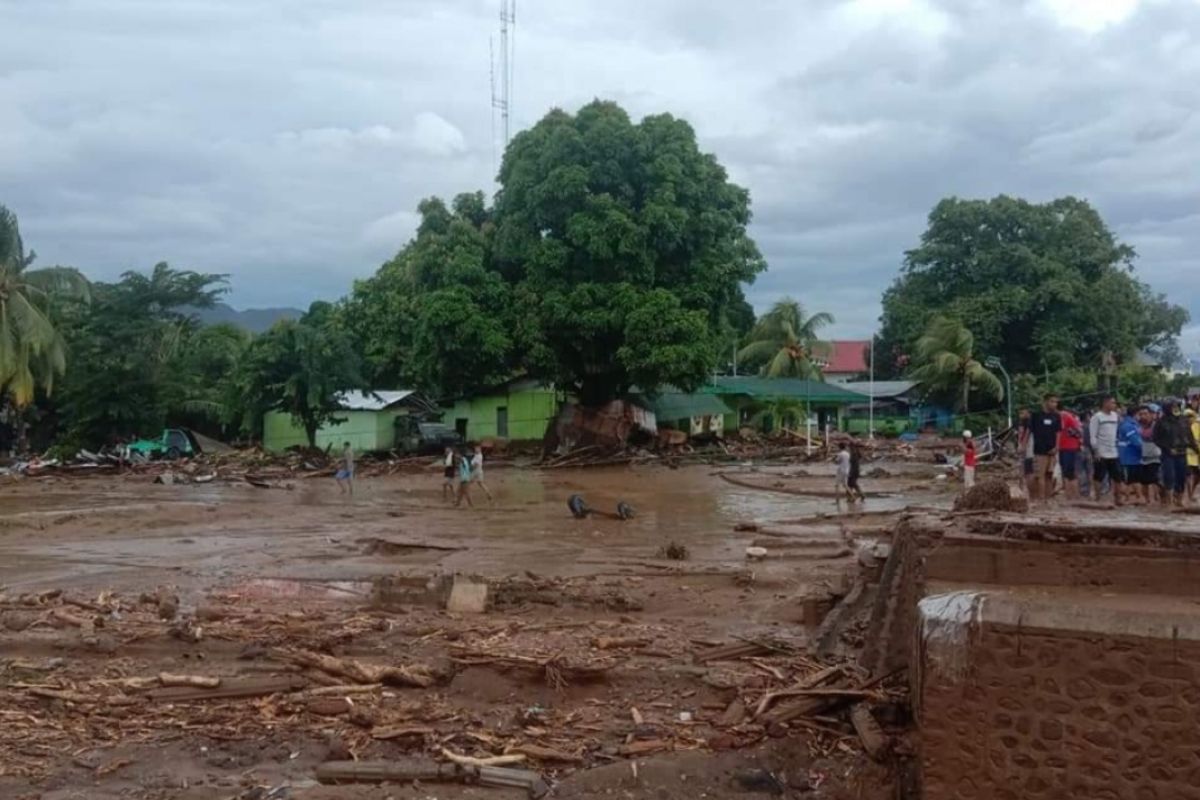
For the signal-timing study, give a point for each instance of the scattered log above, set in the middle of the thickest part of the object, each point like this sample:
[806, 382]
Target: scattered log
[65, 696]
[423, 769]
[641, 748]
[402, 731]
[357, 671]
[195, 681]
[230, 689]
[547, 754]
[874, 740]
[618, 642]
[636, 716]
[732, 651]
[491, 761]
[803, 685]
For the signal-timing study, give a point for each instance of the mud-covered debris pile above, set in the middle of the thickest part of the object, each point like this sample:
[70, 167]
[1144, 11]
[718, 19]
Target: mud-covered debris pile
[992, 494]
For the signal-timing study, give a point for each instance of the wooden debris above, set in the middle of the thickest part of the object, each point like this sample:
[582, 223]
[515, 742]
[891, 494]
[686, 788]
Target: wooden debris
[874, 741]
[547, 754]
[733, 714]
[802, 686]
[636, 716]
[65, 696]
[195, 681]
[420, 769]
[618, 642]
[402, 731]
[491, 761]
[732, 651]
[357, 671]
[233, 688]
[641, 748]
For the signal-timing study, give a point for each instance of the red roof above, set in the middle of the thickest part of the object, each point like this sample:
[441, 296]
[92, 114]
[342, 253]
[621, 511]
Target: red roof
[849, 357]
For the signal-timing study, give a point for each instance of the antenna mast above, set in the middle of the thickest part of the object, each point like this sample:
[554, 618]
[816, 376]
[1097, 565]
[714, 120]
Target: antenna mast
[502, 100]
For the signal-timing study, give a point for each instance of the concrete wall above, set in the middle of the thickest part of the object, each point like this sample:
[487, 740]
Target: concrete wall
[365, 430]
[1045, 700]
[529, 413]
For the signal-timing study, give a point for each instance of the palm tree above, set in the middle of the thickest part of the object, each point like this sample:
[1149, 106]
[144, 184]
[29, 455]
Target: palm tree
[785, 342]
[945, 361]
[31, 350]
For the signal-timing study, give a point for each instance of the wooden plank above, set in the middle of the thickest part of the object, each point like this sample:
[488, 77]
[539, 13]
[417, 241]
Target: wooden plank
[230, 689]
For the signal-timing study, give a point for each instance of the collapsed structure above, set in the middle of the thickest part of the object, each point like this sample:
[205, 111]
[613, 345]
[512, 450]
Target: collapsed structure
[1046, 657]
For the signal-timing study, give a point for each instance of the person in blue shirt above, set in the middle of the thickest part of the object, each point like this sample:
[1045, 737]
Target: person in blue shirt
[464, 479]
[1129, 450]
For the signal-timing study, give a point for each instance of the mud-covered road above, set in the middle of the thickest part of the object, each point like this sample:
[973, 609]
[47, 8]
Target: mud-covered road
[108, 582]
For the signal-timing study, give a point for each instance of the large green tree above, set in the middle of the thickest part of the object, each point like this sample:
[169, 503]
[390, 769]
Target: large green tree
[606, 222]
[786, 343]
[946, 363]
[32, 350]
[1042, 286]
[298, 367]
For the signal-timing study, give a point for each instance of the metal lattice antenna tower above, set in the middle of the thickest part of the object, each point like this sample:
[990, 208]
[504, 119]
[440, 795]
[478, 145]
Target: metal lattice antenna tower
[502, 95]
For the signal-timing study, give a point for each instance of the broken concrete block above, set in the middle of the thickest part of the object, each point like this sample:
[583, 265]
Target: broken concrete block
[467, 597]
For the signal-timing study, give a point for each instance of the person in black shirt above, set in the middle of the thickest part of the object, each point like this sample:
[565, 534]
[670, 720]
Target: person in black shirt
[1044, 427]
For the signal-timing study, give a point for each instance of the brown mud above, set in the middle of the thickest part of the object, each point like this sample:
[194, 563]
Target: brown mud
[106, 583]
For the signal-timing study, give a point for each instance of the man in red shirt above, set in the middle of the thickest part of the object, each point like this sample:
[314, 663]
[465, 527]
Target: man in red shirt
[1070, 442]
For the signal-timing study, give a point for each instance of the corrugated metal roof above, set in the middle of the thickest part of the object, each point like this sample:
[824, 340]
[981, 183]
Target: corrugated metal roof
[374, 400]
[681, 405]
[792, 388]
[882, 388]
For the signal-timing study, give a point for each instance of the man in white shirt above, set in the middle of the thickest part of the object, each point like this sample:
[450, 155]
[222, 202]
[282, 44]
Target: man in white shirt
[1102, 432]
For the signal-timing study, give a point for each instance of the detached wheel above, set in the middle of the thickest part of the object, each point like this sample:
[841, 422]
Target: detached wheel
[173, 454]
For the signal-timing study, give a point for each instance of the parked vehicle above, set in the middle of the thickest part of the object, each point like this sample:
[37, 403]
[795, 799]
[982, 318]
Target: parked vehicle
[417, 437]
[173, 444]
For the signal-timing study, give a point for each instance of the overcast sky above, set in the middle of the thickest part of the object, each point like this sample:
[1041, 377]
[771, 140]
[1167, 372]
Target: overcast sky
[288, 143]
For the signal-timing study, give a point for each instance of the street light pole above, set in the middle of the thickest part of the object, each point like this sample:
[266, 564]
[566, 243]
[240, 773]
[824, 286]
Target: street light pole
[871, 391]
[994, 363]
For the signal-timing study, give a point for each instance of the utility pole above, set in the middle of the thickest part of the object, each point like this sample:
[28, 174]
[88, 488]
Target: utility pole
[871, 391]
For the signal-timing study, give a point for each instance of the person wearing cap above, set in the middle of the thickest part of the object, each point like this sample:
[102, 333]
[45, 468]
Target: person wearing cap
[970, 459]
[1173, 435]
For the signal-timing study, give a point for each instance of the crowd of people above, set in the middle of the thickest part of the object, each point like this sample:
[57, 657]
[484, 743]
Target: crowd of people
[1140, 454]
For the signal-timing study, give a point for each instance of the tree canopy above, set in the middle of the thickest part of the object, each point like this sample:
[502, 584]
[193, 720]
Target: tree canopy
[946, 363]
[614, 254]
[1041, 286]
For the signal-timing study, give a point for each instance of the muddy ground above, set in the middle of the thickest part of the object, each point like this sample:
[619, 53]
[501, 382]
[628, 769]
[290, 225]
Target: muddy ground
[591, 659]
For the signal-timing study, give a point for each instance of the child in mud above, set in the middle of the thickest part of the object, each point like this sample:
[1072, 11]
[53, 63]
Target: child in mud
[345, 473]
[855, 472]
[464, 479]
[970, 459]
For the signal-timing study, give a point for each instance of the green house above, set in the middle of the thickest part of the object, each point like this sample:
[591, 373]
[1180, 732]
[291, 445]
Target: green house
[695, 413]
[750, 395]
[368, 423]
[519, 411]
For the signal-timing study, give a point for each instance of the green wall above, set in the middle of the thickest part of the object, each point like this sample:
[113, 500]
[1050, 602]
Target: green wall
[365, 431]
[529, 413]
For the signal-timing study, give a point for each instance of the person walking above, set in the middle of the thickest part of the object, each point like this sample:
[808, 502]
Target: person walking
[1044, 427]
[855, 473]
[970, 459]
[449, 472]
[464, 480]
[345, 474]
[1129, 449]
[1102, 433]
[842, 478]
[1070, 442]
[477, 472]
[1173, 435]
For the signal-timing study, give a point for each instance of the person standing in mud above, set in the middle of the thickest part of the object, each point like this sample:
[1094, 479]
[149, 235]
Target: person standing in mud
[1129, 449]
[1044, 427]
[970, 460]
[477, 471]
[1173, 435]
[842, 478]
[1070, 442]
[855, 474]
[1103, 430]
[464, 480]
[449, 472]
[345, 474]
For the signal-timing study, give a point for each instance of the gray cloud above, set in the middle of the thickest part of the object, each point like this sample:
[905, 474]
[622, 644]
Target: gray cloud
[288, 144]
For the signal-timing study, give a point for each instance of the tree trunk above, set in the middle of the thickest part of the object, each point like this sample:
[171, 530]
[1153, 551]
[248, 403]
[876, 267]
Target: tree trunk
[310, 430]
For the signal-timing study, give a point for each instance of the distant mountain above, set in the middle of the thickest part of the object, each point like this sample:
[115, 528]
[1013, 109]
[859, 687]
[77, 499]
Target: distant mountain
[255, 320]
